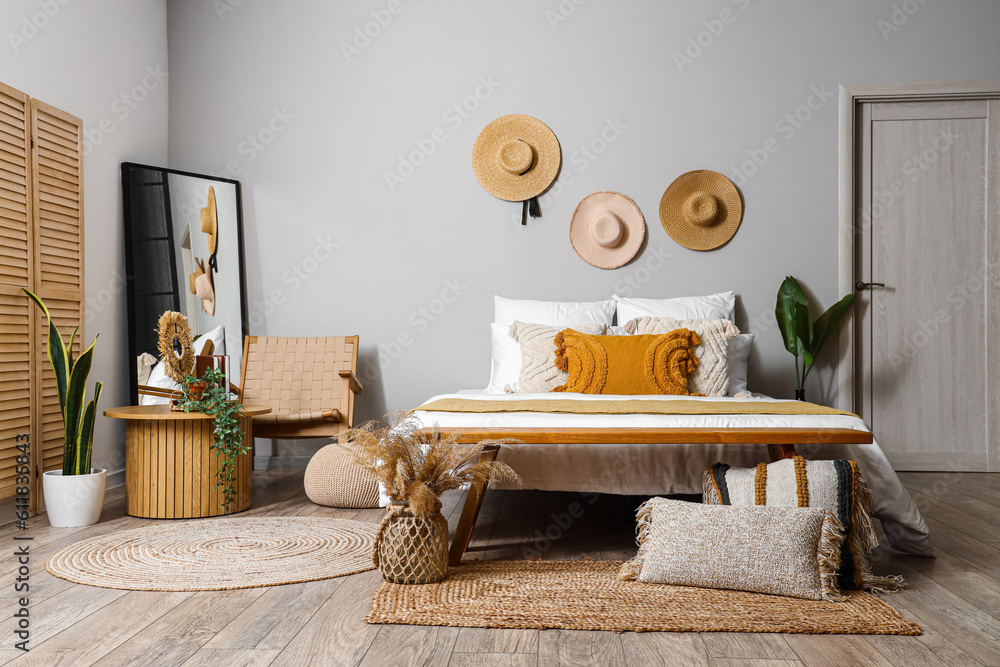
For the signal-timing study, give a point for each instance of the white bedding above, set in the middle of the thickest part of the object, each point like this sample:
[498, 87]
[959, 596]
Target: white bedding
[665, 469]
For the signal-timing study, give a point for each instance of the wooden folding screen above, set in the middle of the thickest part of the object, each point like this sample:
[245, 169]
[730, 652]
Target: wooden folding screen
[41, 249]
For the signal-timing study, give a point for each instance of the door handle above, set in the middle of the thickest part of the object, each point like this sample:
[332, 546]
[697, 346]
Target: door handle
[861, 286]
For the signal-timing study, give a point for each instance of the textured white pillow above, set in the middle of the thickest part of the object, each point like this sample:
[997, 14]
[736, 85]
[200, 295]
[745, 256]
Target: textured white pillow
[720, 306]
[506, 366]
[711, 376]
[538, 373]
[553, 313]
[739, 352]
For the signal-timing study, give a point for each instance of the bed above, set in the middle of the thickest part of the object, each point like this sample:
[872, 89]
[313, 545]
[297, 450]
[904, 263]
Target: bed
[657, 445]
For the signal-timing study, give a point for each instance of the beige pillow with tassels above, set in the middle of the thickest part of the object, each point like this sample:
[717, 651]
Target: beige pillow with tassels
[711, 376]
[773, 550]
[538, 356]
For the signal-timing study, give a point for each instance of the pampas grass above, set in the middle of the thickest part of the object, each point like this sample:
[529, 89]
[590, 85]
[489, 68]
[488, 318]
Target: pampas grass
[417, 468]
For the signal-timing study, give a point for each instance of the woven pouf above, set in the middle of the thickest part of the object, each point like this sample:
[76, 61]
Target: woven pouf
[334, 480]
[411, 549]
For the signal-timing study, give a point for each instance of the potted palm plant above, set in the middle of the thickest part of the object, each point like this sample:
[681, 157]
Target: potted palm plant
[74, 495]
[802, 336]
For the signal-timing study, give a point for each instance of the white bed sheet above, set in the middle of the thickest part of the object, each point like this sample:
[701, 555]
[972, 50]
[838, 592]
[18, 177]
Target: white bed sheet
[667, 469]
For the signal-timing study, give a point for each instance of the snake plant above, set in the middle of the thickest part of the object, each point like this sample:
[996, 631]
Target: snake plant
[803, 337]
[71, 377]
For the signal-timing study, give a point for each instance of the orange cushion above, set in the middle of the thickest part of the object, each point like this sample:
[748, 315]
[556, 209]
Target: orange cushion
[648, 364]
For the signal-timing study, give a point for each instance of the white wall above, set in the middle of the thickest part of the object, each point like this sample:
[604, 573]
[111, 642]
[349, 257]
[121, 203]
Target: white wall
[82, 57]
[265, 91]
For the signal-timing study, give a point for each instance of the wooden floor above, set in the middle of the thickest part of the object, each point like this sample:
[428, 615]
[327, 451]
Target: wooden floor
[955, 598]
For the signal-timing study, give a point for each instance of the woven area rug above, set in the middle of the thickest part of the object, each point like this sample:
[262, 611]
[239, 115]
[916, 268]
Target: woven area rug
[219, 554]
[586, 595]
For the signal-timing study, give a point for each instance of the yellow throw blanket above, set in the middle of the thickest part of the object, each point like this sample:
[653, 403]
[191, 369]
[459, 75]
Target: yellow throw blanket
[632, 406]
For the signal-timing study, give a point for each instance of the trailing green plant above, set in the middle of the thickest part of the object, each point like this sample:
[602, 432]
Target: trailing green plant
[803, 337]
[71, 378]
[208, 395]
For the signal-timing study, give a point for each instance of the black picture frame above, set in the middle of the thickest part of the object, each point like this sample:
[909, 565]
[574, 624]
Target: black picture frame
[135, 178]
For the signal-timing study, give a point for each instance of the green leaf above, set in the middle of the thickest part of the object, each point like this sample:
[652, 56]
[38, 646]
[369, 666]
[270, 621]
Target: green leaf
[76, 396]
[790, 294]
[85, 436]
[56, 351]
[804, 332]
[828, 323]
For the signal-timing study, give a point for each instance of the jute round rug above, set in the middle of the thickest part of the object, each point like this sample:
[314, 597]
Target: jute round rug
[219, 554]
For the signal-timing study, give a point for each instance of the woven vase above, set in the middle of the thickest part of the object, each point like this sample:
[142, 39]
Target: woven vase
[411, 549]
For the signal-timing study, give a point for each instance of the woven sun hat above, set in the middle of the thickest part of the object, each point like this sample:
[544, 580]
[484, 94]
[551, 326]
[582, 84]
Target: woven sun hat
[516, 158]
[701, 210]
[210, 222]
[607, 229]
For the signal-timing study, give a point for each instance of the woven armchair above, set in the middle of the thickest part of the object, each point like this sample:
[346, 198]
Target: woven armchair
[309, 384]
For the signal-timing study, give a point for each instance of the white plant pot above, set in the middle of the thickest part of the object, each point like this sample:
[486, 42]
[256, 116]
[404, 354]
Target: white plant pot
[74, 500]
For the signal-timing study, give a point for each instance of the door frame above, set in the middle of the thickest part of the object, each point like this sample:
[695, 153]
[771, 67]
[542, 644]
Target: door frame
[852, 97]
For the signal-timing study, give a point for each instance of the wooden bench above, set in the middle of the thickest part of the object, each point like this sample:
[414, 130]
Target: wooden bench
[780, 441]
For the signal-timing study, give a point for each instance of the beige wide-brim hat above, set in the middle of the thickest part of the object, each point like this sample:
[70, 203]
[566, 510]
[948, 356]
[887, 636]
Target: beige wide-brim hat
[210, 221]
[701, 210]
[607, 229]
[516, 157]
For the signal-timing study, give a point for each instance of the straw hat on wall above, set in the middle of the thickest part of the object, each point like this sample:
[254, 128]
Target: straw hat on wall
[607, 229]
[701, 210]
[516, 158]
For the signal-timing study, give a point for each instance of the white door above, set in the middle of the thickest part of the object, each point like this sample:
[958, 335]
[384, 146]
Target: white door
[927, 342]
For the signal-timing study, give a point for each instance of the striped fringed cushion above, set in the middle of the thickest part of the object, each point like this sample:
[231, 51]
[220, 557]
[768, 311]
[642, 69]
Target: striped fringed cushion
[836, 486]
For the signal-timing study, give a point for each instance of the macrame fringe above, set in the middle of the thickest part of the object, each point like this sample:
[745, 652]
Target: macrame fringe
[830, 542]
[632, 326]
[562, 361]
[631, 569]
[710, 490]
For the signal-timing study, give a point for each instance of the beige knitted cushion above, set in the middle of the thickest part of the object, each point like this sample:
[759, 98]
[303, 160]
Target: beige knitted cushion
[711, 376]
[774, 550]
[333, 479]
[538, 356]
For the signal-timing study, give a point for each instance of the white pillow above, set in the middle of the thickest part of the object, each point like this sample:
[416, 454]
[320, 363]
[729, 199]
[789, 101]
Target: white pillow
[720, 306]
[218, 338]
[737, 352]
[553, 313]
[158, 378]
[506, 366]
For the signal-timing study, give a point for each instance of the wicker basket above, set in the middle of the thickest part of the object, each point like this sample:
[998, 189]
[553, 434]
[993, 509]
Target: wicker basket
[411, 549]
[333, 479]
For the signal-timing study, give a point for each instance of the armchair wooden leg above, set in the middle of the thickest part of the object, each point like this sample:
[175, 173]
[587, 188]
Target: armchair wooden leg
[470, 512]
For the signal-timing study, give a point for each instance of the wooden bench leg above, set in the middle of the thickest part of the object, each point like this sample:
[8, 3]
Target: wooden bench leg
[778, 452]
[470, 512]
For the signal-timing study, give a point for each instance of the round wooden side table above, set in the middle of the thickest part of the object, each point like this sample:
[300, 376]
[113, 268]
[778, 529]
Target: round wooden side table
[170, 468]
